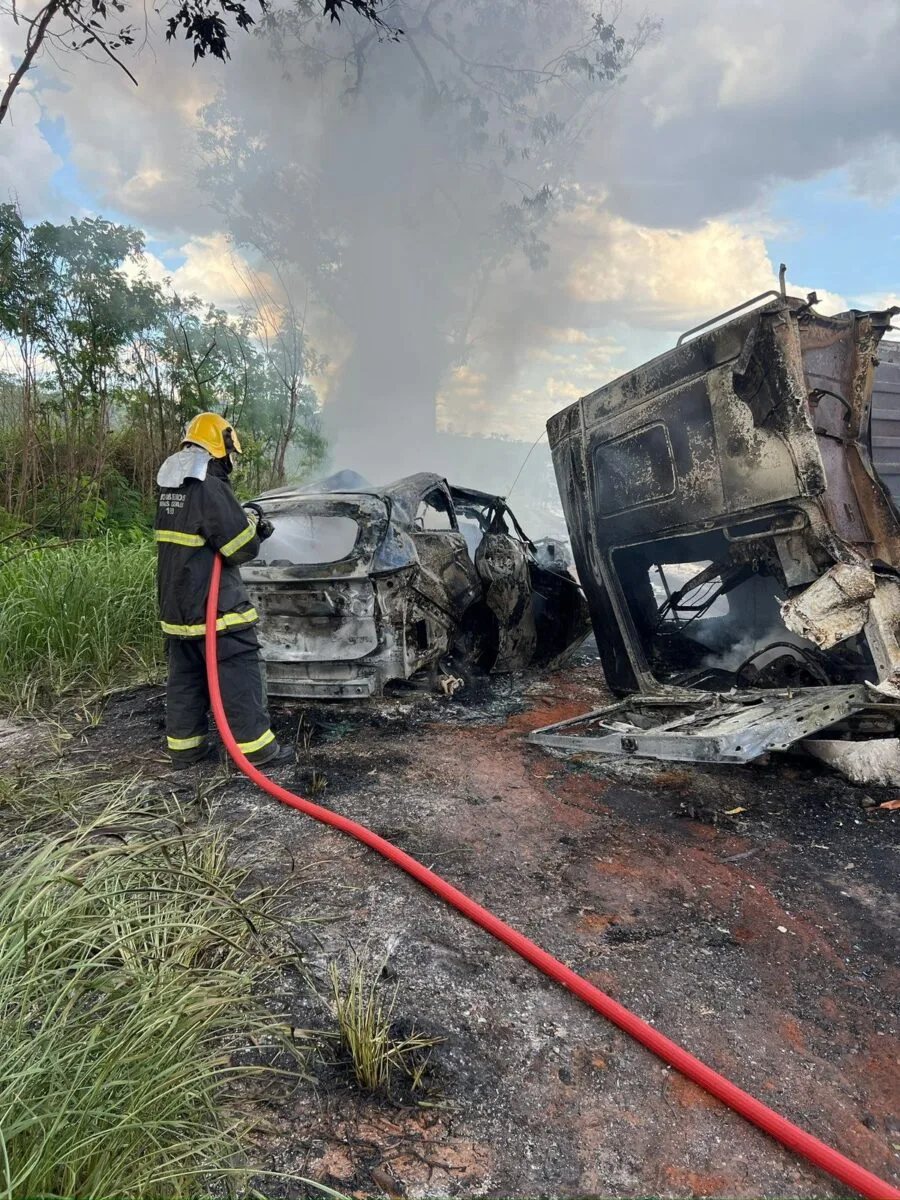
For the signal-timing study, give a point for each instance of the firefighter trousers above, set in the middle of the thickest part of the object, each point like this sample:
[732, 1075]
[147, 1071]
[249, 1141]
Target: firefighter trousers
[242, 684]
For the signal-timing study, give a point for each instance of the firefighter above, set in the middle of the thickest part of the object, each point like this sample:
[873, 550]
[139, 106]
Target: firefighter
[199, 516]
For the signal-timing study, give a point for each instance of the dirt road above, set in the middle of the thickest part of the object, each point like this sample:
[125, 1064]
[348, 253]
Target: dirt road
[750, 913]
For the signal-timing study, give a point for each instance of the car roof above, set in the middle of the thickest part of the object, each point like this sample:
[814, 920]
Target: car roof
[402, 491]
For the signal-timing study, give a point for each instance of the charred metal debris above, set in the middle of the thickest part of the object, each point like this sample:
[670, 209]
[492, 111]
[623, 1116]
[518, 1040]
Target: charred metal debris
[739, 551]
[359, 588]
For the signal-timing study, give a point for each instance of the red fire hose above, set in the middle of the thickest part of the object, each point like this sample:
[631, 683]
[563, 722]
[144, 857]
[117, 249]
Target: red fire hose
[741, 1102]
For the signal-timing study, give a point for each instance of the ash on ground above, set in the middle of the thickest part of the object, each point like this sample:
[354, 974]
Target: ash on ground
[750, 913]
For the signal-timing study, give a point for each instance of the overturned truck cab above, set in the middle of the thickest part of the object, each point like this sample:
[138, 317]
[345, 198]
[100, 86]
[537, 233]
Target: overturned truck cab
[737, 547]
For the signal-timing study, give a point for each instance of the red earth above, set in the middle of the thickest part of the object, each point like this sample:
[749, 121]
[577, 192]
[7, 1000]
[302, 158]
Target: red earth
[762, 938]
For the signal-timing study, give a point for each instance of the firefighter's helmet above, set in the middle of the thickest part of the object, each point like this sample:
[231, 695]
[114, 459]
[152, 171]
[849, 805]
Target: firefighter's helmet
[213, 433]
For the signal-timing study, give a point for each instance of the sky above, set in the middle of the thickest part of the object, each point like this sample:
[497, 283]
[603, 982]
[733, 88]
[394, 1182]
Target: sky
[750, 133]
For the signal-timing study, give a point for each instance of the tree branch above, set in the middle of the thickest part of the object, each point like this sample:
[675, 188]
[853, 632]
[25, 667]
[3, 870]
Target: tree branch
[100, 42]
[420, 59]
[36, 35]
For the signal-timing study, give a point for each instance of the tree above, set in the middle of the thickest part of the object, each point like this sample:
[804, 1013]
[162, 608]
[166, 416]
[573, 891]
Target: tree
[289, 404]
[21, 290]
[71, 309]
[111, 26]
[253, 369]
[413, 179]
[106, 368]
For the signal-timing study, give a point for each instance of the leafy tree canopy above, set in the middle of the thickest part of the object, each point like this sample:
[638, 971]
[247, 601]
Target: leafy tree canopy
[109, 367]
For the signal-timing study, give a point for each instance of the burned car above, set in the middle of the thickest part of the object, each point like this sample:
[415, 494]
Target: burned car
[357, 589]
[739, 552]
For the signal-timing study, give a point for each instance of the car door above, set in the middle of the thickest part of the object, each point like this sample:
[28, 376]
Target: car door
[448, 575]
[504, 567]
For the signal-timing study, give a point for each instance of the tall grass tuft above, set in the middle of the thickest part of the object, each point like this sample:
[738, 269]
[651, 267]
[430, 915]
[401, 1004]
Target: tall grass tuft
[128, 964]
[365, 1025]
[76, 617]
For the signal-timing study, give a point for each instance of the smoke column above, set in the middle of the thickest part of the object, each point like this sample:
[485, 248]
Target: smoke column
[412, 185]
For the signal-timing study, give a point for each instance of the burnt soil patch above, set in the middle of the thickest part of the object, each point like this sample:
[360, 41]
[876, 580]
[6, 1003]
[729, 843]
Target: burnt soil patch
[750, 913]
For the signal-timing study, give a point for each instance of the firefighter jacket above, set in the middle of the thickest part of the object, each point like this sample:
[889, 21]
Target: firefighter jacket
[198, 515]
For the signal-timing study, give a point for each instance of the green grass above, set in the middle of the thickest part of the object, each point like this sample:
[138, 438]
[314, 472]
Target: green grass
[130, 954]
[76, 618]
[365, 1022]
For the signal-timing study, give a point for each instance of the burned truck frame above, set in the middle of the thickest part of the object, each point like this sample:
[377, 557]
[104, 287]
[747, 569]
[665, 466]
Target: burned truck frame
[732, 536]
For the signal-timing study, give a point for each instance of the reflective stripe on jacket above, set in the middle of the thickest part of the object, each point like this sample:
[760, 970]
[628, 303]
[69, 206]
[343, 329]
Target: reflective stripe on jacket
[193, 521]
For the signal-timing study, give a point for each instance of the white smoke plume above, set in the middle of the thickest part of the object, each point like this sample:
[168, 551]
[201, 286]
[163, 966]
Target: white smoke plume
[412, 186]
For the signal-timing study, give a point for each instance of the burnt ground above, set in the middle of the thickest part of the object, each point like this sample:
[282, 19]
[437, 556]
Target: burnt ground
[763, 940]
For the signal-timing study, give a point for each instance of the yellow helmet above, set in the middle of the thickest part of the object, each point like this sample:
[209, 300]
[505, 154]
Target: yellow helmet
[213, 433]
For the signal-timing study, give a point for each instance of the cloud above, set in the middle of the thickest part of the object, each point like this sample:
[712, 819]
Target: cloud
[669, 229]
[735, 97]
[732, 98]
[27, 162]
[211, 269]
[669, 278]
[557, 369]
[134, 148]
[546, 338]
[666, 277]
[878, 301]
[569, 336]
[875, 174]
